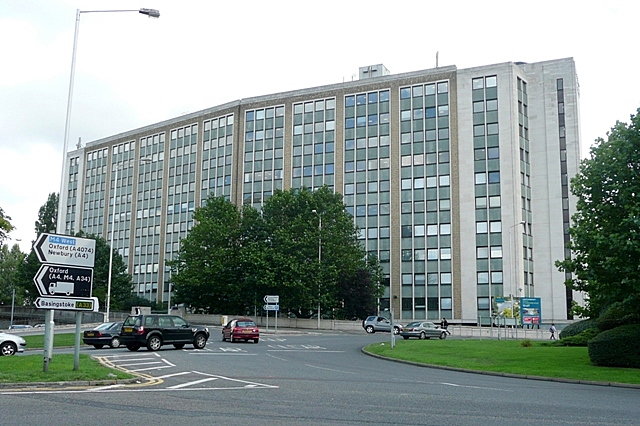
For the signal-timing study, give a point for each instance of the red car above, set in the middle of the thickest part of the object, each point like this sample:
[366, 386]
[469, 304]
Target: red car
[241, 329]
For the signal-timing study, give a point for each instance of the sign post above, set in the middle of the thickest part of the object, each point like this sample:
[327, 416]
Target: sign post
[64, 282]
[271, 304]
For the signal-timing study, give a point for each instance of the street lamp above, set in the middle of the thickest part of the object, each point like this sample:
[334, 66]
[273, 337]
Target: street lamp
[517, 260]
[319, 256]
[48, 330]
[151, 13]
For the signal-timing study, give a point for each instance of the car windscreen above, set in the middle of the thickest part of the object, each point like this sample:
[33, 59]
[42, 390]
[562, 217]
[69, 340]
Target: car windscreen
[104, 326]
[246, 324]
[132, 321]
[414, 324]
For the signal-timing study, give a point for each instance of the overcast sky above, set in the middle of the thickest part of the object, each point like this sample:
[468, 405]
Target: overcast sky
[133, 71]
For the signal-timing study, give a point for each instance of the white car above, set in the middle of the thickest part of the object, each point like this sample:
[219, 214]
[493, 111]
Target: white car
[10, 344]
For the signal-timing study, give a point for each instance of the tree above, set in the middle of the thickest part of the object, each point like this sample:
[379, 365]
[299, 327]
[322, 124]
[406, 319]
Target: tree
[232, 258]
[5, 226]
[605, 234]
[207, 271]
[48, 215]
[11, 263]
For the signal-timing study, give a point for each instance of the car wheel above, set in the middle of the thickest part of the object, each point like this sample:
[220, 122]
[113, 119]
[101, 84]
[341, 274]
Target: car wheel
[154, 343]
[423, 336]
[405, 337]
[231, 338]
[200, 341]
[115, 342]
[8, 349]
[256, 340]
[224, 339]
[98, 346]
[396, 330]
[133, 348]
[369, 329]
[443, 336]
[178, 345]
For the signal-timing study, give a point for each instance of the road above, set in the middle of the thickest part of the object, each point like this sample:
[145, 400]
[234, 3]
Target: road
[311, 379]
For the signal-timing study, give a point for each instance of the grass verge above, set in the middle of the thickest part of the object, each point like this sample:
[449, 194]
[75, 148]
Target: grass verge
[28, 368]
[36, 341]
[507, 356]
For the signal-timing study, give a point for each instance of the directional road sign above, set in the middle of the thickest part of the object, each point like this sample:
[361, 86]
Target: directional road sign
[68, 303]
[65, 250]
[271, 307]
[271, 299]
[57, 280]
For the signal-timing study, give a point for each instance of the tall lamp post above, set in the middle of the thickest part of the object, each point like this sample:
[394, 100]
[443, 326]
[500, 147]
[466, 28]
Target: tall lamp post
[319, 256]
[60, 225]
[514, 251]
[151, 13]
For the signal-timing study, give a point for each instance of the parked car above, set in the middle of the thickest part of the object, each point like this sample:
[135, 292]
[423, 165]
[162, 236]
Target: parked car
[10, 344]
[422, 330]
[241, 329]
[19, 327]
[373, 324]
[107, 333]
[155, 330]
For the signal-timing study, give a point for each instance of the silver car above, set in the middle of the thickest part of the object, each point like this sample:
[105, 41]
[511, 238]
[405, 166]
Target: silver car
[10, 344]
[422, 330]
[376, 323]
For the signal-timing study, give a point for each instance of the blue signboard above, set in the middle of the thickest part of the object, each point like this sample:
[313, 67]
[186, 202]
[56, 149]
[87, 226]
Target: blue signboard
[530, 310]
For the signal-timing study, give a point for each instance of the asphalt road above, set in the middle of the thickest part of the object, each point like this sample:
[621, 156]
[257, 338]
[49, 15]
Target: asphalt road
[310, 379]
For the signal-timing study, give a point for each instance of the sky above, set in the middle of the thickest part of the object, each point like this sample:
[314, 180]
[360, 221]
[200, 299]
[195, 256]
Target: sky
[133, 71]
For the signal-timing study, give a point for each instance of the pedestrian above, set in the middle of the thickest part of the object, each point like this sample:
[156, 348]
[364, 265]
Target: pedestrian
[552, 330]
[445, 326]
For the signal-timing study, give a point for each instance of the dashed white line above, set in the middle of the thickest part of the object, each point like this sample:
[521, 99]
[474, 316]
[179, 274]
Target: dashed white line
[196, 382]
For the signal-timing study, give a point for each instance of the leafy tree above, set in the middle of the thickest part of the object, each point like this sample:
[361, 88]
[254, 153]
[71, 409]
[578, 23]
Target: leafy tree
[48, 215]
[11, 263]
[5, 226]
[206, 271]
[232, 258]
[605, 235]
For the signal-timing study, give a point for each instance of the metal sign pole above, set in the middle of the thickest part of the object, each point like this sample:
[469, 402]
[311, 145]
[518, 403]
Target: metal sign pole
[76, 348]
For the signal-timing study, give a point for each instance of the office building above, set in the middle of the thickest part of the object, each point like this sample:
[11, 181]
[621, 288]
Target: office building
[457, 178]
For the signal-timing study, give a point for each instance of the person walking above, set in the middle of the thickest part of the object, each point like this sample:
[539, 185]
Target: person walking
[445, 326]
[553, 332]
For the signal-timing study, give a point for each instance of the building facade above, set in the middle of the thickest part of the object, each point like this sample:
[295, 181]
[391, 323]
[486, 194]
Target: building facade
[457, 179]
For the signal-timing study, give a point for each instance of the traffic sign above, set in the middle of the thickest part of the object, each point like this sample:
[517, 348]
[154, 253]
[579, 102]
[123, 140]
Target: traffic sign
[271, 299]
[271, 307]
[68, 303]
[65, 250]
[57, 280]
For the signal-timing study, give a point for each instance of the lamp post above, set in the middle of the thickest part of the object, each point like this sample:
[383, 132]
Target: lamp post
[60, 225]
[319, 256]
[522, 222]
[151, 13]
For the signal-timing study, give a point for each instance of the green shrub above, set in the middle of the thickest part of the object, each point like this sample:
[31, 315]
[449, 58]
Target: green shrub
[526, 343]
[615, 316]
[619, 347]
[580, 339]
[577, 328]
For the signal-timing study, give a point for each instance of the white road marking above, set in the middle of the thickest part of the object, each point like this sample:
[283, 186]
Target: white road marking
[140, 363]
[196, 382]
[330, 369]
[166, 376]
[474, 387]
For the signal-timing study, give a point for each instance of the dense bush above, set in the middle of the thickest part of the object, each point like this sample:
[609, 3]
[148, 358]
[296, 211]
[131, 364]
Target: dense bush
[580, 339]
[577, 328]
[619, 347]
[615, 316]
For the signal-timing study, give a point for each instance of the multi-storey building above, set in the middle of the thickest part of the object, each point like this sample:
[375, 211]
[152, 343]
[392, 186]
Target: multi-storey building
[457, 179]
